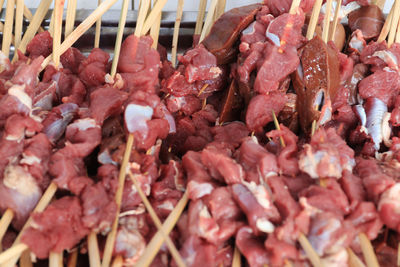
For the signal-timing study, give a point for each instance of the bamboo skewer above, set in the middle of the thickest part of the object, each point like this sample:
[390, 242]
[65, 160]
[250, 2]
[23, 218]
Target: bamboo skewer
[200, 16]
[8, 27]
[51, 24]
[94, 254]
[153, 16]
[386, 26]
[70, 18]
[14, 251]
[28, 15]
[335, 22]
[220, 9]
[236, 258]
[82, 28]
[155, 31]
[118, 199]
[98, 30]
[58, 16]
[354, 261]
[141, 17]
[120, 35]
[33, 25]
[179, 12]
[368, 251]
[25, 260]
[155, 244]
[394, 22]
[325, 30]
[209, 20]
[174, 252]
[54, 259]
[19, 10]
[5, 221]
[309, 250]
[118, 261]
[314, 19]
[73, 258]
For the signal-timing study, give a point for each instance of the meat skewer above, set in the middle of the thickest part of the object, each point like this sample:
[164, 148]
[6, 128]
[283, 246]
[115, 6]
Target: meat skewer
[209, 20]
[386, 27]
[335, 21]
[121, 180]
[156, 220]
[394, 23]
[155, 30]
[33, 26]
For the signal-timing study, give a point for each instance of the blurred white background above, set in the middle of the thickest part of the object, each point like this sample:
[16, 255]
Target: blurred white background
[190, 5]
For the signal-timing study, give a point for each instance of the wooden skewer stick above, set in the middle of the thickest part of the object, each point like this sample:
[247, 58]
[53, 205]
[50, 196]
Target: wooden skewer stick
[174, 252]
[28, 15]
[311, 254]
[314, 19]
[25, 260]
[118, 261]
[200, 16]
[386, 26]
[58, 18]
[327, 18]
[155, 31]
[19, 12]
[209, 20]
[335, 22]
[98, 30]
[118, 199]
[51, 24]
[368, 251]
[395, 21]
[397, 40]
[236, 258]
[70, 18]
[380, 3]
[151, 18]
[41, 205]
[1, 5]
[33, 25]
[14, 251]
[220, 9]
[8, 27]
[73, 258]
[82, 28]
[179, 12]
[354, 261]
[141, 17]
[155, 244]
[278, 127]
[5, 221]
[120, 35]
[398, 254]
[94, 254]
[54, 259]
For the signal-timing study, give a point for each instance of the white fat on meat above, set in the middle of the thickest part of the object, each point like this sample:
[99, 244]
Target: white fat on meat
[362, 116]
[4, 62]
[250, 29]
[30, 160]
[178, 182]
[343, 12]
[391, 197]
[18, 91]
[136, 117]
[84, 124]
[140, 209]
[272, 37]
[341, 258]
[204, 223]
[260, 193]
[386, 130]
[375, 115]
[310, 160]
[388, 57]
[197, 190]
[357, 41]
[265, 226]
[310, 210]
[131, 244]
[320, 235]
[19, 179]
[166, 205]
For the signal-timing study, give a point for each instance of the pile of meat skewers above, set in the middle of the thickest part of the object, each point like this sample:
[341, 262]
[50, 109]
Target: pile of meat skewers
[327, 173]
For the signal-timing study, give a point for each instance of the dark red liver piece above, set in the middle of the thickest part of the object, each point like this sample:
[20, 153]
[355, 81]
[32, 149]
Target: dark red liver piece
[227, 29]
[369, 19]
